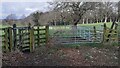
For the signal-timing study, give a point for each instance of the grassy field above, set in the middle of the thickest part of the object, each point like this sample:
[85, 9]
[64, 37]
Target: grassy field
[65, 29]
[91, 24]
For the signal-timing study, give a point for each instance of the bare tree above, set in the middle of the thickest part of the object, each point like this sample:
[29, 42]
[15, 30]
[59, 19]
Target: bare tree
[77, 9]
[36, 17]
[11, 18]
[23, 16]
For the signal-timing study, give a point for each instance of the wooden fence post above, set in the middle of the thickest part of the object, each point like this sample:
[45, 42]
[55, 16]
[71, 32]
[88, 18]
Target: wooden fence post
[30, 30]
[38, 33]
[47, 33]
[118, 33]
[10, 38]
[104, 33]
[20, 37]
[6, 40]
[14, 35]
[95, 33]
[31, 40]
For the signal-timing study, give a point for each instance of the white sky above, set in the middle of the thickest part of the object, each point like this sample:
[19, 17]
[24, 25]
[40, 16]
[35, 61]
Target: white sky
[58, 0]
[20, 7]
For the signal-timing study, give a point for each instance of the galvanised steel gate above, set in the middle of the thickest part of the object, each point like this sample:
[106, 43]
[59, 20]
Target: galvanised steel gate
[74, 35]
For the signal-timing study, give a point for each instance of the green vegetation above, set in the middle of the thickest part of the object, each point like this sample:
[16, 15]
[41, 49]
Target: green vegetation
[83, 44]
[64, 30]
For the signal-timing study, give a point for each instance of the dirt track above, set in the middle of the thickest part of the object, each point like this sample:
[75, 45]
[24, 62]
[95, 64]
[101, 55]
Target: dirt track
[52, 56]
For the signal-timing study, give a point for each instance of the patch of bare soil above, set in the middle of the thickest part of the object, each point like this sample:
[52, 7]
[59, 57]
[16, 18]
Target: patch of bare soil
[59, 56]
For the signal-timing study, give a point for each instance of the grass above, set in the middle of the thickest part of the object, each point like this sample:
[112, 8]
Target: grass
[99, 26]
[67, 26]
[65, 30]
[96, 24]
[82, 44]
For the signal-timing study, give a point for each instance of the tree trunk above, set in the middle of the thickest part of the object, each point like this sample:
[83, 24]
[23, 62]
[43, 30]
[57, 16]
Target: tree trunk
[105, 19]
[97, 20]
[91, 21]
[110, 20]
[55, 23]
[101, 20]
[83, 21]
[87, 21]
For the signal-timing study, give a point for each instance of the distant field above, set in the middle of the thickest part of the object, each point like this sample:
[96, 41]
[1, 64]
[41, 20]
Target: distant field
[68, 27]
[92, 24]
[1, 26]
[84, 25]
[99, 26]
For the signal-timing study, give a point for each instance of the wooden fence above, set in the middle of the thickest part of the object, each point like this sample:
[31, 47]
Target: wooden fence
[118, 33]
[6, 38]
[110, 34]
[24, 38]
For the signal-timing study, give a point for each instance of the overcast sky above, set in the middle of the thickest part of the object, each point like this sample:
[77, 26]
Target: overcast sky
[20, 8]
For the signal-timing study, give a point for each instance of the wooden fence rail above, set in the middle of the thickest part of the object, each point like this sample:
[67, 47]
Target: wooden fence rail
[110, 34]
[6, 39]
[23, 38]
